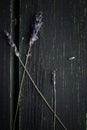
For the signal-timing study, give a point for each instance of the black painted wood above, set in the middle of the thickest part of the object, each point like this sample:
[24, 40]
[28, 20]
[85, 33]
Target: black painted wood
[63, 35]
[4, 67]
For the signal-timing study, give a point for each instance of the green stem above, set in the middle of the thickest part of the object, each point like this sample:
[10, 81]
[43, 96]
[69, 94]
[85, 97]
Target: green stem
[39, 92]
[18, 101]
[54, 101]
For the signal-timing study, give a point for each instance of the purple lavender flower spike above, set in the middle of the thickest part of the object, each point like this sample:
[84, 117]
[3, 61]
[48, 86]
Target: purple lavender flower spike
[35, 37]
[37, 26]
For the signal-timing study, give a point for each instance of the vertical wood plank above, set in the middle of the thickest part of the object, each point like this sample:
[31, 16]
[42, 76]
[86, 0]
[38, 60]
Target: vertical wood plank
[63, 35]
[4, 66]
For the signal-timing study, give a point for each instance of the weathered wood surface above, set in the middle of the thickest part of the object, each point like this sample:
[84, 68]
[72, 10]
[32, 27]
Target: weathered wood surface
[4, 68]
[63, 35]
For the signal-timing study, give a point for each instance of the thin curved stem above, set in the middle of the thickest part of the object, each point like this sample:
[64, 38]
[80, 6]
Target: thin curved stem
[19, 95]
[39, 92]
[13, 45]
[34, 37]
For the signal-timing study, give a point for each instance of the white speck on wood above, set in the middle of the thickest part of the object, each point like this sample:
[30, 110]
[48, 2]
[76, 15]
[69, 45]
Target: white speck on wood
[71, 58]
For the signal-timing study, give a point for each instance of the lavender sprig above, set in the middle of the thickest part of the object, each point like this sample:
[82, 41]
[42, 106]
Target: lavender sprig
[54, 77]
[54, 95]
[11, 42]
[37, 26]
[34, 37]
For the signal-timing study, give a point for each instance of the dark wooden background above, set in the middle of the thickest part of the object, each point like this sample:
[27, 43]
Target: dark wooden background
[63, 35]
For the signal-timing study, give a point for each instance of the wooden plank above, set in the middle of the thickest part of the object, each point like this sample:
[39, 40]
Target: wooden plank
[62, 36]
[4, 67]
[8, 65]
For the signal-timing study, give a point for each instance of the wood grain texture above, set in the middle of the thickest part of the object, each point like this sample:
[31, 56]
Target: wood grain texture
[63, 35]
[8, 65]
[4, 68]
